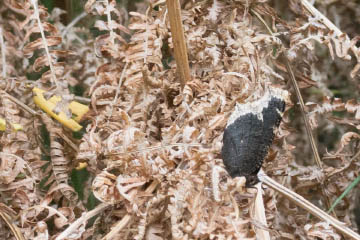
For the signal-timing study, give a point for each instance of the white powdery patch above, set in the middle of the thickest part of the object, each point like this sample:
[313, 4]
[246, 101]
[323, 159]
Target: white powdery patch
[256, 107]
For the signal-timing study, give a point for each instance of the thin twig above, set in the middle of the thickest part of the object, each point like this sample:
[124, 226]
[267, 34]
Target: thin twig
[73, 23]
[45, 43]
[178, 39]
[146, 43]
[82, 99]
[344, 167]
[299, 97]
[304, 114]
[120, 82]
[3, 53]
[10, 223]
[109, 22]
[325, 20]
[127, 218]
[68, 141]
[308, 206]
[118, 87]
[20, 103]
[83, 219]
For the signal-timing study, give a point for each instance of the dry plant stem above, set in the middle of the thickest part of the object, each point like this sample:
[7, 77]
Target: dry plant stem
[68, 141]
[308, 206]
[146, 47]
[325, 20]
[344, 167]
[260, 216]
[14, 229]
[82, 99]
[178, 39]
[298, 95]
[52, 70]
[75, 225]
[21, 104]
[118, 88]
[108, 15]
[303, 112]
[73, 22]
[3, 53]
[308, 129]
[120, 82]
[127, 218]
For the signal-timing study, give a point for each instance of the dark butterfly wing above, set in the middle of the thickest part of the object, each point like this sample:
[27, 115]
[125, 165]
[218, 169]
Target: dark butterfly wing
[242, 140]
[247, 139]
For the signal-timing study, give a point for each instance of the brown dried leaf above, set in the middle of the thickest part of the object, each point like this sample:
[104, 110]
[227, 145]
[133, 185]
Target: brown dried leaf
[154, 232]
[353, 107]
[321, 230]
[29, 48]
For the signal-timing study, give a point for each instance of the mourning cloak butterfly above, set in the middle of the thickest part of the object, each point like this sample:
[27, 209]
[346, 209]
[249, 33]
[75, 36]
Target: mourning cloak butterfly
[250, 132]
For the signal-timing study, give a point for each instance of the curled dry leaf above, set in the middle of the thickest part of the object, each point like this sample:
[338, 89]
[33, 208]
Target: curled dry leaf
[104, 187]
[353, 107]
[328, 105]
[38, 44]
[11, 166]
[321, 230]
[346, 139]
[127, 185]
[60, 164]
[143, 126]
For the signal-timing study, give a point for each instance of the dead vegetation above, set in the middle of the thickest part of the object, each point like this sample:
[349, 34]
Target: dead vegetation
[148, 149]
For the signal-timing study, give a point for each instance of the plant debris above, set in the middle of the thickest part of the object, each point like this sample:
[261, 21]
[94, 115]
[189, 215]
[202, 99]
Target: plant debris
[143, 160]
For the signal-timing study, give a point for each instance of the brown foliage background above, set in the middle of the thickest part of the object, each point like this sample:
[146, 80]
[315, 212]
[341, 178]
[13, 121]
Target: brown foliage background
[144, 129]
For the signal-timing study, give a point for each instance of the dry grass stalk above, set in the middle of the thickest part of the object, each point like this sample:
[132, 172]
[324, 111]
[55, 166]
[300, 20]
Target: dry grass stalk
[304, 114]
[45, 43]
[82, 220]
[3, 53]
[178, 38]
[21, 104]
[10, 223]
[317, 13]
[311, 208]
[308, 129]
[73, 23]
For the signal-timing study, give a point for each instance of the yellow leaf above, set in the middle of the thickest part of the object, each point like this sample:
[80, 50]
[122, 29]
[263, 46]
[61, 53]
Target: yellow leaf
[78, 109]
[2, 124]
[49, 105]
[81, 165]
[16, 127]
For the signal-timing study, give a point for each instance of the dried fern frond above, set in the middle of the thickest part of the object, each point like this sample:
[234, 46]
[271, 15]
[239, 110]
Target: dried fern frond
[149, 148]
[60, 164]
[329, 105]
